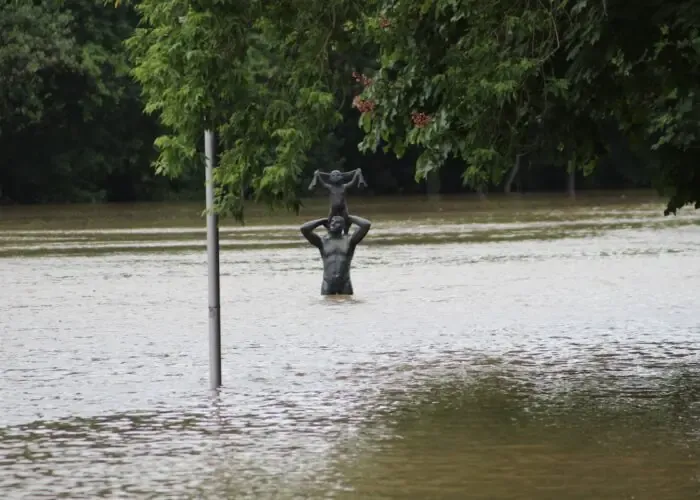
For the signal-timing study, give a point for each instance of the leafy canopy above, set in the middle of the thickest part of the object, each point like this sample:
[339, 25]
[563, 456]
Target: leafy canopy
[250, 72]
[480, 81]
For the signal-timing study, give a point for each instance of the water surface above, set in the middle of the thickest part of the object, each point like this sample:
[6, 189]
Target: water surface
[513, 350]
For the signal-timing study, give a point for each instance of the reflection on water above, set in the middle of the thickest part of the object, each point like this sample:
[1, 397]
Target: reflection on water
[506, 436]
[521, 368]
[487, 432]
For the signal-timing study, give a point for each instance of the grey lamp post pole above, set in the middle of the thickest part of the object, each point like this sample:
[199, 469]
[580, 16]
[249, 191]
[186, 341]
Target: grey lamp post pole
[213, 265]
[212, 260]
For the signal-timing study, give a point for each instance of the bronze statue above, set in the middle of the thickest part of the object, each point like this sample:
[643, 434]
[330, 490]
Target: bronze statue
[337, 250]
[338, 183]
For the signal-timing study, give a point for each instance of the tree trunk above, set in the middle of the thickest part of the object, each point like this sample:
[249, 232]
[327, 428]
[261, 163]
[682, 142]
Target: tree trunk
[572, 180]
[513, 173]
[433, 184]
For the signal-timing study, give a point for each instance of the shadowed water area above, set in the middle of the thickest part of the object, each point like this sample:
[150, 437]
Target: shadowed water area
[530, 348]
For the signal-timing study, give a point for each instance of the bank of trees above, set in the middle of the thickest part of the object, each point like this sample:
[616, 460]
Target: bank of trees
[489, 94]
[71, 121]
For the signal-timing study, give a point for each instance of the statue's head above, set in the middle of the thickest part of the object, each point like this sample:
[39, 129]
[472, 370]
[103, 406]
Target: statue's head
[336, 225]
[336, 176]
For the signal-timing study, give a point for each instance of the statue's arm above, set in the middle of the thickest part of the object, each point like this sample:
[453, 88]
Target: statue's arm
[363, 226]
[357, 178]
[312, 185]
[318, 177]
[349, 176]
[308, 231]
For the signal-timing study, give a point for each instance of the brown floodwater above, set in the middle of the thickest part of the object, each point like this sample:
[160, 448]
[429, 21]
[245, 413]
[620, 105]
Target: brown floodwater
[527, 348]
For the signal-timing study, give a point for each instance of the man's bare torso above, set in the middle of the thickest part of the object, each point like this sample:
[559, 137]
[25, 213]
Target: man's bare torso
[337, 257]
[336, 249]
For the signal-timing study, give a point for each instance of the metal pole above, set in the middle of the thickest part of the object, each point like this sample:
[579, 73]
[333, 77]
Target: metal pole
[213, 263]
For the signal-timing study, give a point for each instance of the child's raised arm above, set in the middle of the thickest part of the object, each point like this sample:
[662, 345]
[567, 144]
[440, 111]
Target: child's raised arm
[357, 178]
[318, 177]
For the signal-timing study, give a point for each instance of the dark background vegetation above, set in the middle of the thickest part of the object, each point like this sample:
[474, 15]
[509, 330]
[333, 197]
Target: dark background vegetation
[72, 126]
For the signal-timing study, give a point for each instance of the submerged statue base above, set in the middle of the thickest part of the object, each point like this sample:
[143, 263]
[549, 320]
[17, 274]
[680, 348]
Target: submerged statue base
[337, 250]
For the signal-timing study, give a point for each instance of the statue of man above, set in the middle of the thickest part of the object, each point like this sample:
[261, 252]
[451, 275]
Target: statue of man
[337, 250]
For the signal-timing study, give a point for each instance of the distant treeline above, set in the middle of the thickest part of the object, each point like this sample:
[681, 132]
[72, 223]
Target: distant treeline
[73, 127]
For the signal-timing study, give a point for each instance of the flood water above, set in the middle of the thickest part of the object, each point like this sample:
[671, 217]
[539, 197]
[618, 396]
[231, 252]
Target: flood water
[530, 349]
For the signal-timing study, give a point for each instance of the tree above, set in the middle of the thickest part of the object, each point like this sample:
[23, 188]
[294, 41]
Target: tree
[246, 71]
[637, 66]
[477, 81]
[71, 122]
[487, 80]
[35, 44]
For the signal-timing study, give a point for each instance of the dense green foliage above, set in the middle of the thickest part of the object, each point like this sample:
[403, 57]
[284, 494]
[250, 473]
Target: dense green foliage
[563, 80]
[68, 106]
[459, 90]
[482, 82]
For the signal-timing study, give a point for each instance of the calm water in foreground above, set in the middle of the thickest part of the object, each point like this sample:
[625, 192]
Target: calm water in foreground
[529, 349]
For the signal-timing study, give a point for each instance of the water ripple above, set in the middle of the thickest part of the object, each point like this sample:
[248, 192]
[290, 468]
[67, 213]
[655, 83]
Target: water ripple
[103, 359]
